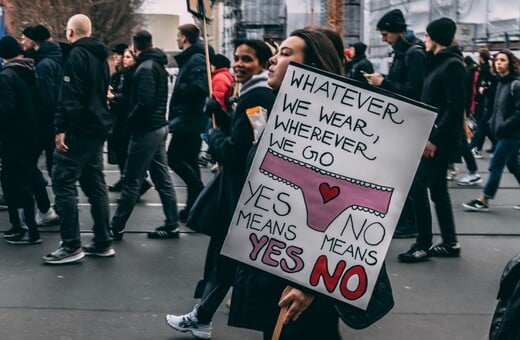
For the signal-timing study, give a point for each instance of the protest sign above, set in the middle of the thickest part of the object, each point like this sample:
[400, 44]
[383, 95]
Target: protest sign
[328, 183]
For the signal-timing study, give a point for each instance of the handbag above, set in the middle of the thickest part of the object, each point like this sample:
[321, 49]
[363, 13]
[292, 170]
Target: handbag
[203, 214]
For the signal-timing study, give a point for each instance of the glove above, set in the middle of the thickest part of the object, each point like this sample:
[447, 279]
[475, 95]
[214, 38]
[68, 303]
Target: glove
[211, 106]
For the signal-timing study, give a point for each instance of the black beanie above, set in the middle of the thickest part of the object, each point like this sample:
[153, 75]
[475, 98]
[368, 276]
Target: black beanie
[39, 33]
[27, 31]
[120, 48]
[360, 48]
[392, 21]
[219, 61]
[442, 31]
[9, 47]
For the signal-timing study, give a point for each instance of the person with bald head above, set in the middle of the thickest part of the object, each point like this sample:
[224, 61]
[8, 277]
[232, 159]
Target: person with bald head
[82, 124]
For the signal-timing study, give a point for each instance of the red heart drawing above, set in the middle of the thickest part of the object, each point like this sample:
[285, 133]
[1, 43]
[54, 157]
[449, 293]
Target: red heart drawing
[328, 193]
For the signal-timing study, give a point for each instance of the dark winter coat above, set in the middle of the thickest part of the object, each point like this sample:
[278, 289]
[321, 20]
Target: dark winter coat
[82, 108]
[444, 88]
[505, 121]
[122, 84]
[18, 123]
[406, 75]
[504, 325]
[358, 64]
[230, 150]
[149, 92]
[186, 112]
[49, 74]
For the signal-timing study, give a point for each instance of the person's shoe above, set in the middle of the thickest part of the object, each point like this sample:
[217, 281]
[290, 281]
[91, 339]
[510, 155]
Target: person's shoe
[470, 179]
[476, 153]
[13, 231]
[452, 174]
[516, 207]
[64, 255]
[445, 250]
[405, 232]
[144, 187]
[116, 234]
[476, 205]
[94, 250]
[164, 233]
[116, 187]
[183, 215]
[214, 168]
[414, 255]
[48, 218]
[25, 238]
[189, 322]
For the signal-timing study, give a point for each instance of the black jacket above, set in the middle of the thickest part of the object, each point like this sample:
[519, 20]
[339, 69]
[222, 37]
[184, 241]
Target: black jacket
[505, 121]
[186, 112]
[82, 108]
[406, 75]
[149, 92]
[122, 86]
[358, 64]
[18, 123]
[49, 73]
[444, 88]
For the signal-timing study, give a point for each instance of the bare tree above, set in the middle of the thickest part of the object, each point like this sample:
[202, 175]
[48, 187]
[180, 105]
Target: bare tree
[113, 20]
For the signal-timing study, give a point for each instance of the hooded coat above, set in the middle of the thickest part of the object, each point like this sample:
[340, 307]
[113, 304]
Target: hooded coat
[505, 121]
[83, 108]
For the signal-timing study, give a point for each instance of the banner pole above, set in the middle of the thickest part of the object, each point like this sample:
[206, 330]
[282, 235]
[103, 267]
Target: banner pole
[279, 324]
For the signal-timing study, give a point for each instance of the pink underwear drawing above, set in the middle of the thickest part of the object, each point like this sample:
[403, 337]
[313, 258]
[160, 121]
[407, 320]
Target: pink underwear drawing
[326, 194]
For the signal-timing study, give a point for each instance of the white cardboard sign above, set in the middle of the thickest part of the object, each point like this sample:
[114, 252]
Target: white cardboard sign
[328, 183]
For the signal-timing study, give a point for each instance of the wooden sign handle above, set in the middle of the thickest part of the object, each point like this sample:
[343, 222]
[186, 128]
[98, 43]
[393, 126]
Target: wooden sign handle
[279, 323]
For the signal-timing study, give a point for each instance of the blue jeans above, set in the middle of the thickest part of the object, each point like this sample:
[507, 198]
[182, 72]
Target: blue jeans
[506, 153]
[146, 152]
[84, 162]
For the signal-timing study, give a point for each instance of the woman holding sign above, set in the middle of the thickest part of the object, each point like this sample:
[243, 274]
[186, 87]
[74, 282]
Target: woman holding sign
[259, 298]
[230, 150]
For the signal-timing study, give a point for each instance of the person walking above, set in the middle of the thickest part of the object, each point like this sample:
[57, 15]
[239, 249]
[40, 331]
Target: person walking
[82, 123]
[359, 63]
[443, 89]
[148, 130]
[18, 137]
[505, 126]
[230, 147]
[405, 77]
[186, 116]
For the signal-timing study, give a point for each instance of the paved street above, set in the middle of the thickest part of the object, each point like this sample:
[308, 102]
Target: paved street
[126, 297]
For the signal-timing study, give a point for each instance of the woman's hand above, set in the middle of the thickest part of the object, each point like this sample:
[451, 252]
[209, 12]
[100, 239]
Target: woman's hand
[296, 302]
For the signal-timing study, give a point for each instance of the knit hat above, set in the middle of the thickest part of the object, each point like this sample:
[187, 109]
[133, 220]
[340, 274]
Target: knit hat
[27, 31]
[119, 48]
[442, 31]
[9, 47]
[39, 33]
[360, 48]
[392, 21]
[219, 61]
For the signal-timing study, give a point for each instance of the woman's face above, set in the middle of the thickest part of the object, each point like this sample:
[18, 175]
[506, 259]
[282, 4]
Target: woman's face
[290, 50]
[246, 63]
[501, 64]
[128, 59]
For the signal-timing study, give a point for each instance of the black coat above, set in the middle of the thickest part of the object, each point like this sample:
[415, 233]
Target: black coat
[186, 112]
[444, 88]
[406, 75]
[149, 92]
[49, 73]
[18, 123]
[231, 151]
[357, 65]
[505, 121]
[83, 108]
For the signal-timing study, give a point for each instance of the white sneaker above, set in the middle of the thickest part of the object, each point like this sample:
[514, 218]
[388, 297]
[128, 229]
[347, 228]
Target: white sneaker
[50, 217]
[470, 179]
[477, 153]
[517, 207]
[189, 322]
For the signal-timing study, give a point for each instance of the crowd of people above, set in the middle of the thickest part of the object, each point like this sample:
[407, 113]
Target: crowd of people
[62, 99]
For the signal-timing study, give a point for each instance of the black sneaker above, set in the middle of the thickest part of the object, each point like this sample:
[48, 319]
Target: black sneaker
[476, 205]
[164, 233]
[183, 215]
[64, 255]
[116, 235]
[24, 238]
[14, 231]
[93, 250]
[445, 250]
[414, 255]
